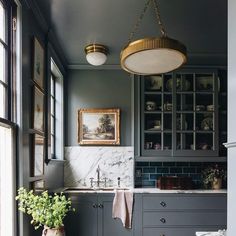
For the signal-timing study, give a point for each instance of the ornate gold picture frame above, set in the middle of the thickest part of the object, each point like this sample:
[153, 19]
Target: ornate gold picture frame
[99, 126]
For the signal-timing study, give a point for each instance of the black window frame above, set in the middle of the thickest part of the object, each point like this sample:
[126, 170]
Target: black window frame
[9, 46]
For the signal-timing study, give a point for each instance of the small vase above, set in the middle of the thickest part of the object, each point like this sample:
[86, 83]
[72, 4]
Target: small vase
[53, 232]
[217, 183]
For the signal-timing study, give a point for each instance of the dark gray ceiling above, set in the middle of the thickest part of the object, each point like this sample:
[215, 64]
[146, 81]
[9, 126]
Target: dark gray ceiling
[200, 24]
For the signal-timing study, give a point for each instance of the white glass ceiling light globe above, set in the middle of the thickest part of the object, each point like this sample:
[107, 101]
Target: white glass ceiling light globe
[96, 58]
[96, 54]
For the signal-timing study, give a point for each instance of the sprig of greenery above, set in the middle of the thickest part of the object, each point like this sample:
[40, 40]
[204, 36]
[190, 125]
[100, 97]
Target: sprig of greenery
[211, 173]
[45, 209]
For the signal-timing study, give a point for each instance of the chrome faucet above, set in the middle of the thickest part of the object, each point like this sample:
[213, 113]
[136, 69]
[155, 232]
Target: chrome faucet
[98, 176]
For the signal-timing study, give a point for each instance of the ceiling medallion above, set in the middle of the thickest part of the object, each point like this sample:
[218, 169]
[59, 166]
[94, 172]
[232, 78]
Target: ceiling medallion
[152, 55]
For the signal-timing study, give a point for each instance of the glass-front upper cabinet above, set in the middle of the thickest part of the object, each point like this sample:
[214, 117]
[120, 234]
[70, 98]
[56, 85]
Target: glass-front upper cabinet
[179, 114]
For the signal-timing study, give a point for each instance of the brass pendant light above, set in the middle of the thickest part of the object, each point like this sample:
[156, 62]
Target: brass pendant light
[152, 55]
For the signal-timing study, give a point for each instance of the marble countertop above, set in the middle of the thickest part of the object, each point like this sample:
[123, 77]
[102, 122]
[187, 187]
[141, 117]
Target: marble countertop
[139, 190]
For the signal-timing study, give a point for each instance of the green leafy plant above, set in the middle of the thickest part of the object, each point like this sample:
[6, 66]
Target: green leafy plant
[211, 173]
[45, 209]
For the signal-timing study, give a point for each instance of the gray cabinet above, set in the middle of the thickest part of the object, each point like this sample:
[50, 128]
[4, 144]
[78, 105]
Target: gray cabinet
[177, 115]
[93, 216]
[179, 214]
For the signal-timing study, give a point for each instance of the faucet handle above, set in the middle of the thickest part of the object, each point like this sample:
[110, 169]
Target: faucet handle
[91, 182]
[105, 182]
[118, 182]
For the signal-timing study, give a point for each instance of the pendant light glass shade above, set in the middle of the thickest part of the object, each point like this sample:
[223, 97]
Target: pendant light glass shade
[153, 56]
[96, 54]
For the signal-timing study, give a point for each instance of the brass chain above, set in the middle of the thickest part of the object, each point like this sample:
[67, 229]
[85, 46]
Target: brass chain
[139, 21]
[156, 8]
[158, 16]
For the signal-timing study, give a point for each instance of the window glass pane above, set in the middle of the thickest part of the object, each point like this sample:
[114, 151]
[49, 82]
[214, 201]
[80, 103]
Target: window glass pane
[2, 22]
[52, 86]
[52, 106]
[52, 146]
[2, 101]
[52, 126]
[7, 187]
[2, 63]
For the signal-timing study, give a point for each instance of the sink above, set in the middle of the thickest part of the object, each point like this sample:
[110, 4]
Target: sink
[78, 189]
[93, 189]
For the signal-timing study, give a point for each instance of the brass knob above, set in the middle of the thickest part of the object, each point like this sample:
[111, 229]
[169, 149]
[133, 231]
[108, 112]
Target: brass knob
[100, 205]
[95, 205]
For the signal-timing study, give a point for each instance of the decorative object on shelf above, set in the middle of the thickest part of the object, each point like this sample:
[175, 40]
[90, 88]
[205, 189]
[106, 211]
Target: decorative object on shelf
[157, 146]
[206, 83]
[46, 210]
[152, 55]
[181, 84]
[96, 54]
[167, 106]
[148, 145]
[38, 110]
[99, 126]
[213, 177]
[150, 106]
[38, 68]
[207, 124]
[210, 108]
[154, 82]
[199, 108]
[174, 182]
[181, 125]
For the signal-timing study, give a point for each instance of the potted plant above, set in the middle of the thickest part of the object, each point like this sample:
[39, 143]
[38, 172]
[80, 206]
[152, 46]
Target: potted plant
[213, 177]
[45, 209]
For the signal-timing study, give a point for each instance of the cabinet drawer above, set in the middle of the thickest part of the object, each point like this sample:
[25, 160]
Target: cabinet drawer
[181, 202]
[184, 218]
[174, 231]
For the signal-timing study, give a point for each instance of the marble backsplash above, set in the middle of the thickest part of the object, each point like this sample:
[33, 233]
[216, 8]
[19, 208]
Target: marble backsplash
[82, 162]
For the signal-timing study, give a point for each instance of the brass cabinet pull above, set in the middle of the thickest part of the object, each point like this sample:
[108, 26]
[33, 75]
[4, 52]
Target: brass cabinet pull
[163, 204]
[95, 205]
[163, 220]
[100, 205]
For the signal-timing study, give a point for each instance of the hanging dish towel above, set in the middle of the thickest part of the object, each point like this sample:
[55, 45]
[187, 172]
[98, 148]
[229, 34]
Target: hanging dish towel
[123, 207]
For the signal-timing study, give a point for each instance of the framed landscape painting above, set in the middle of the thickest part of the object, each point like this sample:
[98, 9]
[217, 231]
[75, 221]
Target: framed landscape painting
[99, 126]
[38, 110]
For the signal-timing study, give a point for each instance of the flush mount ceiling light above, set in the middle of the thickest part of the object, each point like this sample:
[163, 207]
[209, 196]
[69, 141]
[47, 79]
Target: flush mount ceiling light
[152, 55]
[96, 54]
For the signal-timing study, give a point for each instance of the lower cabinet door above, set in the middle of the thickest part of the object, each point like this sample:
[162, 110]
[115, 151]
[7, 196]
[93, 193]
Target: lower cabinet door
[107, 226]
[82, 222]
[174, 231]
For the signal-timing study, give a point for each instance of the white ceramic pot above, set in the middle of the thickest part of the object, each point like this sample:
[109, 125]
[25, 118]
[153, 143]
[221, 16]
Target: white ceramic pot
[53, 232]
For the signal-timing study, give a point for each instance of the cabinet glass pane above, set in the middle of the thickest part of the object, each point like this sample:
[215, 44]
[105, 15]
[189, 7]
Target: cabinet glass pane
[184, 121]
[168, 83]
[184, 82]
[167, 106]
[204, 141]
[185, 141]
[184, 102]
[153, 83]
[153, 122]
[153, 102]
[167, 122]
[204, 102]
[153, 141]
[204, 82]
[167, 141]
[204, 122]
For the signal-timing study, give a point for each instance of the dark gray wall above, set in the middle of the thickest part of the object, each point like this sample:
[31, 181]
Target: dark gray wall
[97, 89]
[33, 25]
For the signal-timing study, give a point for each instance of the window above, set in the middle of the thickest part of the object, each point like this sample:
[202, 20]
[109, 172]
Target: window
[7, 179]
[4, 48]
[57, 141]
[7, 114]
